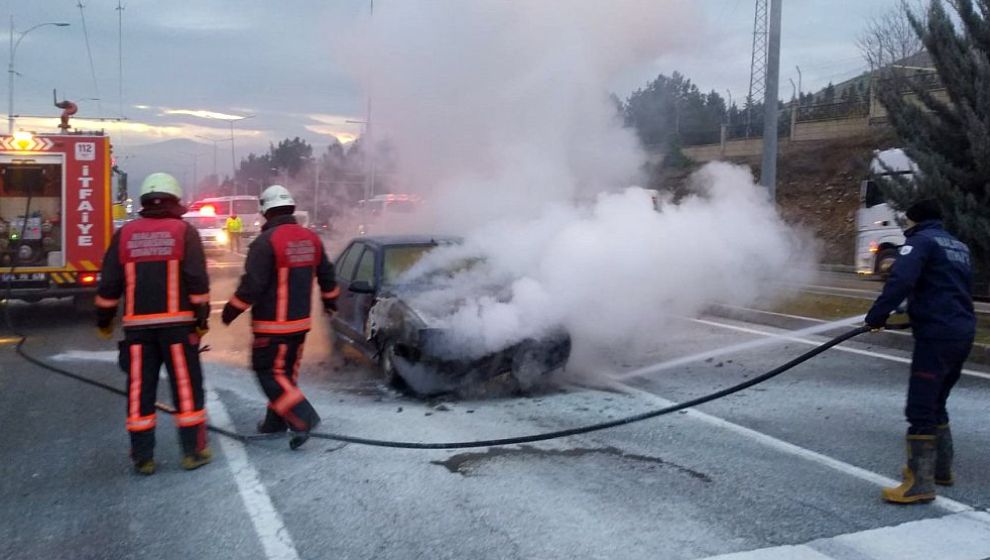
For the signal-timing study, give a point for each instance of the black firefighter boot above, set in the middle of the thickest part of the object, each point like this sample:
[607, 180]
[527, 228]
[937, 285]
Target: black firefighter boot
[272, 424]
[312, 419]
[943, 456]
[919, 473]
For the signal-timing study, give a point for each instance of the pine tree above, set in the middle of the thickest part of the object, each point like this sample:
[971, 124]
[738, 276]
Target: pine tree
[949, 140]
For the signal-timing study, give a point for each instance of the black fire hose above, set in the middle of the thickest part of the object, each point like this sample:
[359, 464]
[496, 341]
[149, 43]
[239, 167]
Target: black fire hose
[493, 442]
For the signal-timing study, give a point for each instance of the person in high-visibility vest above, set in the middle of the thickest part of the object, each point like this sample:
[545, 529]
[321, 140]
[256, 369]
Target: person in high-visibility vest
[234, 227]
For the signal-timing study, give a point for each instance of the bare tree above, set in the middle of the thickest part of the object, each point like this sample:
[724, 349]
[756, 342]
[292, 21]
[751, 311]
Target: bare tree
[890, 37]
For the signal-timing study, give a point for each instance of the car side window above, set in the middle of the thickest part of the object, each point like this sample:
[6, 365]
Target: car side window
[366, 268]
[348, 262]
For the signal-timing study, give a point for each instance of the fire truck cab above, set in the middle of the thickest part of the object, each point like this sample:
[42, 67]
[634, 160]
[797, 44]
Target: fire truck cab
[55, 214]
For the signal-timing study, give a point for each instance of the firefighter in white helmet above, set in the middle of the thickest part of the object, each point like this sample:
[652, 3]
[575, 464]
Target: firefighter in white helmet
[156, 263]
[277, 285]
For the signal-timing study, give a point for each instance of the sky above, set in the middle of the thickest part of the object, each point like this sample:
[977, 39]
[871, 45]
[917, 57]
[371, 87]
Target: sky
[185, 61]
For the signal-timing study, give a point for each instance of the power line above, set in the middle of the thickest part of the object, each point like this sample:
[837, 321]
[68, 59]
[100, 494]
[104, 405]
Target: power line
[89, 51]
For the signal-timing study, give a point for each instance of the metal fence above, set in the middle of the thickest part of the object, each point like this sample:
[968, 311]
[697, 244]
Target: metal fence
[834, 111]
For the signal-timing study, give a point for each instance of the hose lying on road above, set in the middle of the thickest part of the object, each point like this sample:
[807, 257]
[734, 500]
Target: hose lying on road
[489, 442]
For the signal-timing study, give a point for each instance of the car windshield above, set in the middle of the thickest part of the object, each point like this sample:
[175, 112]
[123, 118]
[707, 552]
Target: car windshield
[203, 222]
[399, 259]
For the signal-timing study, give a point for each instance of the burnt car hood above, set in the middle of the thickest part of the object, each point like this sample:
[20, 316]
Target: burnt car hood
[418, 315]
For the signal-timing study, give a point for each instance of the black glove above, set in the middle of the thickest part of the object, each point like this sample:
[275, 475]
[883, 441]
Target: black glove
[104, 321]
[229, 314]
[876, 321]
[104, 317]
[202, 311]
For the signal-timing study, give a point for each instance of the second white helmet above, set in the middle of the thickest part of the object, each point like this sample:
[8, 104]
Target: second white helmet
[274, 197]
[161, 184]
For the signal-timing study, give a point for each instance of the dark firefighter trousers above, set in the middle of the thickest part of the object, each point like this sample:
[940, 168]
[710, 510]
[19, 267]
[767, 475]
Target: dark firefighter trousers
[935, 368]
[142, 353]
[276, 360]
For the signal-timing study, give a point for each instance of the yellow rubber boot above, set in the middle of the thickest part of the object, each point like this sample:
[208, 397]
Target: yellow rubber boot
[197, 459]
[918, 485]
[145, 467]
[943, 456]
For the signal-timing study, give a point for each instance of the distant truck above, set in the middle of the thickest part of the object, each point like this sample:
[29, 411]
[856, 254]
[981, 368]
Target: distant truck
[55, 214]
[878, 229]
[386, 212]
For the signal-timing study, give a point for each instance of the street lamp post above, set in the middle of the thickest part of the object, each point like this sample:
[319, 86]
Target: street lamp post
[215, 141]
[10, 66]
[233, 163]
[195, 182]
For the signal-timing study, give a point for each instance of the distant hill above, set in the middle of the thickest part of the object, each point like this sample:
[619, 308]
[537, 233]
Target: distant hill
[177, 157]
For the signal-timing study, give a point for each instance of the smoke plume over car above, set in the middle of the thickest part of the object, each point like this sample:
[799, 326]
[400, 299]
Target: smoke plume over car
[499, 116]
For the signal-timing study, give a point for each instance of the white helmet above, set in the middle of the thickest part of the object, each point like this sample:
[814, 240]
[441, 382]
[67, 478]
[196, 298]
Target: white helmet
[161, 184]
[274, 197]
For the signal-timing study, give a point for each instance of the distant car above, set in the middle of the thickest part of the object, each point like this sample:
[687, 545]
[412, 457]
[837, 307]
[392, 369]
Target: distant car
[378, 317]
[211, 230]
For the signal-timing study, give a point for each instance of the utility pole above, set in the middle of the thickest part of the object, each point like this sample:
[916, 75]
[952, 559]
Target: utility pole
[316, 192]
[758, 63]
[768, 172]
[120, 58]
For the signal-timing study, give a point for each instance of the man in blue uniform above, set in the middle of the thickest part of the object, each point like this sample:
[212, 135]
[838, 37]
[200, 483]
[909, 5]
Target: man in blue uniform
[933, 272]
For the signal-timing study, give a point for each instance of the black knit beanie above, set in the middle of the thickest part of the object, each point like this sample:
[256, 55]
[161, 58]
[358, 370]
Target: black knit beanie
[924, 210]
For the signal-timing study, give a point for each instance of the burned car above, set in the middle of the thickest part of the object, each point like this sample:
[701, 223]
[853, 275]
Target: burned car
[402, 321]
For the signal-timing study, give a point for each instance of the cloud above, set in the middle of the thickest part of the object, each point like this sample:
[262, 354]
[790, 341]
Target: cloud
[326, 130]
[203, 114]
[139, 132]
[335, 125]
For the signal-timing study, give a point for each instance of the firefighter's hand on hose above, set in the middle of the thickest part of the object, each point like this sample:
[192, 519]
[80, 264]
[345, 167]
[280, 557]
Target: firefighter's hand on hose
[876, 326]
[229, 313]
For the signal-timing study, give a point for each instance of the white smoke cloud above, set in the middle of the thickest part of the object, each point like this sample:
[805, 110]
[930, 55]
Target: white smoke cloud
[500, 116]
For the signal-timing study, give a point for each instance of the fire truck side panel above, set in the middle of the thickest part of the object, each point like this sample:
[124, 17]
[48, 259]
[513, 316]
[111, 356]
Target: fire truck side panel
[86, 224]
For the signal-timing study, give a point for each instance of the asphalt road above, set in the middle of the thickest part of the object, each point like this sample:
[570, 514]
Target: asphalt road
[852, 285]
[794, 463]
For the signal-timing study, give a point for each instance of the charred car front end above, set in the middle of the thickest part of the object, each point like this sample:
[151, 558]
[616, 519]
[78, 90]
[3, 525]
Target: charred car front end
[414, 346]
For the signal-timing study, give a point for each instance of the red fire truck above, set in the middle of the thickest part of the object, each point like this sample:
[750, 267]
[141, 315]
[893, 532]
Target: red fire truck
[55, 214]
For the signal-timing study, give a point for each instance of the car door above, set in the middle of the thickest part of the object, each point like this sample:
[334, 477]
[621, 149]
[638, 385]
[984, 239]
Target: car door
[359, 304]
[344, 266]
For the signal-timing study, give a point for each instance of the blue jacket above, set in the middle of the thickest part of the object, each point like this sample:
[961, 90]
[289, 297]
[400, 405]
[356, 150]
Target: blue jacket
[933, 272]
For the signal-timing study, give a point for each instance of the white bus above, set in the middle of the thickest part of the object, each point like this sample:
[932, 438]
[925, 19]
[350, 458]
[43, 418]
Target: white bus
[245, 206]
[878, 229]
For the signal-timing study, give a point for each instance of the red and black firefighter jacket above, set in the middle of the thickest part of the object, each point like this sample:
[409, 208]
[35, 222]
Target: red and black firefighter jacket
[158, 265]
[278, 279]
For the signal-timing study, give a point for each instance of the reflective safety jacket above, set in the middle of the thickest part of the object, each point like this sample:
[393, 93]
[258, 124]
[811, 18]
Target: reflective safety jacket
[234, 224]
[278, 278]
[933, 271]
[157, 264]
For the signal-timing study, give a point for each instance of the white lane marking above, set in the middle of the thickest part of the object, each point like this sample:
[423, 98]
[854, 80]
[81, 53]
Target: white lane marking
[798, 451]
[268, 525]
[962, 536]
[784, 336]
[86, 356]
